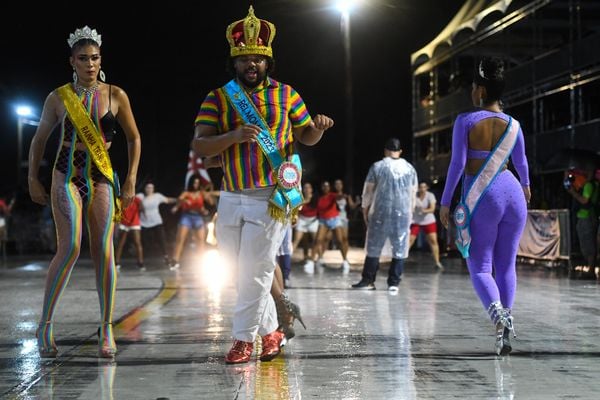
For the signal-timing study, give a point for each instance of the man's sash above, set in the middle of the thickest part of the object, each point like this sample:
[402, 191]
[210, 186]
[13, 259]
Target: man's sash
[287, 197]
[492, 166]
[89, 134]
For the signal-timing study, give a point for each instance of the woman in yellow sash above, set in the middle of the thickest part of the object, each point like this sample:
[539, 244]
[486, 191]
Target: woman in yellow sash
[83, 183]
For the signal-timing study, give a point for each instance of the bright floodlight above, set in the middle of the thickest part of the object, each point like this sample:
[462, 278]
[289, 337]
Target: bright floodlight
[345, 6]
[215, 270]
[24, 111]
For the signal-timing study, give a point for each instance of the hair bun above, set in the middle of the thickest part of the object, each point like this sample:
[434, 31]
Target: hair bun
[492, 68]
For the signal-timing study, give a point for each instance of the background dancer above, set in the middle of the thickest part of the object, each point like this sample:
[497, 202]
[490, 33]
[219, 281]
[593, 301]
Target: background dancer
[344, 202]
[329, 221]
[153, 229]
[130, 223]
[307, 225]
[424, 219]
[192, 202]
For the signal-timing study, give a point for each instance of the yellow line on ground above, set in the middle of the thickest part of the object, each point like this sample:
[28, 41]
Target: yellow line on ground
[129, 322]
[271, 377]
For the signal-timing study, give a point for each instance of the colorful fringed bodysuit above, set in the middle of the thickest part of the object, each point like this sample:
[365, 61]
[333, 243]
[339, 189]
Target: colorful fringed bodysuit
[499, 220]
[81, 196]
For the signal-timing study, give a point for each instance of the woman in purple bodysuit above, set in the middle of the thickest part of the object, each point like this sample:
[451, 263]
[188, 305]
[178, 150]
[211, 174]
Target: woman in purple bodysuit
[499, 217]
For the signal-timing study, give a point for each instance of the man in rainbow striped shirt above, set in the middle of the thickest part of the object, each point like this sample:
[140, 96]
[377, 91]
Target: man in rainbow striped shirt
[251, 124]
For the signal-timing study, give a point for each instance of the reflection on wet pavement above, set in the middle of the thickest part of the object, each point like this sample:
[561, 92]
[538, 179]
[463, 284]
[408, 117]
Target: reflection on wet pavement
[430, 341]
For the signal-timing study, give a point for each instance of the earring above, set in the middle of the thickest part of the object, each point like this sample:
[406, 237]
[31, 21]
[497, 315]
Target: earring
[481, 102]
[102, 76]
[74, 77]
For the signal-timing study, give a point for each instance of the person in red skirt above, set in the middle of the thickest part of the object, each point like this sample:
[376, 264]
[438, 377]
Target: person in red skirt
[130, 223]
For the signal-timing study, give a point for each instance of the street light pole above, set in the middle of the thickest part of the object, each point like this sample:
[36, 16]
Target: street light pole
[349, 142]
[23, 118]
[19, 148]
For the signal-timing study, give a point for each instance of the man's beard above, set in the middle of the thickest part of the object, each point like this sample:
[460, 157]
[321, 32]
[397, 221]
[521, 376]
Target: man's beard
[260, 78]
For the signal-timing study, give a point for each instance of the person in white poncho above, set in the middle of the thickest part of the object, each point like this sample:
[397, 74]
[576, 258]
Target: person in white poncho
[388, 202]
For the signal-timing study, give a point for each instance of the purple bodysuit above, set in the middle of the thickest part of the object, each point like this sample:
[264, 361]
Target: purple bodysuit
[498, 222]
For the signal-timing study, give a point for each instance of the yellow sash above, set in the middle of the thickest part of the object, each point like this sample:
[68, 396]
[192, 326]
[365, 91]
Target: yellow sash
[88, 134]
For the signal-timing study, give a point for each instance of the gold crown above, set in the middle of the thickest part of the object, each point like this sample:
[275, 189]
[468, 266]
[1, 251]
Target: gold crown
[250, 36]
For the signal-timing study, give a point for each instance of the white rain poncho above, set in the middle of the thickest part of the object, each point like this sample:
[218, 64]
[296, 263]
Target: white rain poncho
[389, 193]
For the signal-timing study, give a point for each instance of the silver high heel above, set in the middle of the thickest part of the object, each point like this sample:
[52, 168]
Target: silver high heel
[46, 345]
[105, 334]
[504, 326]
[287, 313]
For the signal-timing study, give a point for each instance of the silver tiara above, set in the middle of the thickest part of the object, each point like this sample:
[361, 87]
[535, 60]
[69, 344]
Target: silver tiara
[84, 33]
[481, 70]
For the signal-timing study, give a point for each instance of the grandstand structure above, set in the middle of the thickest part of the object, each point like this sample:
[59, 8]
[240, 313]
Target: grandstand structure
[553, 85]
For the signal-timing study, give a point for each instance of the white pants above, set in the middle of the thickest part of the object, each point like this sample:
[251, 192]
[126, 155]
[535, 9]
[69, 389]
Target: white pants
[249, 237]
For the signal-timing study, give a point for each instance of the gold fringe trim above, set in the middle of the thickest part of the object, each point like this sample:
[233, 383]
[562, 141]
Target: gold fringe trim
[277, 213]
[282, 215]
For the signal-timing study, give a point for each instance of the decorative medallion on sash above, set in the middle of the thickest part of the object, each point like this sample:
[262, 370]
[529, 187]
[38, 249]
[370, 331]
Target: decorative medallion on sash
[287, 197]
[484, 178]
[89, 134]
[288, 175]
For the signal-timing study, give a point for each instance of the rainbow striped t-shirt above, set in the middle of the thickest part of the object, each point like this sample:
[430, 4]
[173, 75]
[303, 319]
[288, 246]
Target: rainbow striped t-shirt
[244, 164]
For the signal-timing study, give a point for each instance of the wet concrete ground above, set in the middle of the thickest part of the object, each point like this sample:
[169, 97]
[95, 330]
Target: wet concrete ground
[430, 341]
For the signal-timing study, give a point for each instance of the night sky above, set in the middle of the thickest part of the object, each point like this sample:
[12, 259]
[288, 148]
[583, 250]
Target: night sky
[169, 60]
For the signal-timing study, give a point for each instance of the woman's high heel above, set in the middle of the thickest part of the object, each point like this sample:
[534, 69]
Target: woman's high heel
[294, 309]
[504, 326]
[105, 334]
[288, 313]
[46, 346]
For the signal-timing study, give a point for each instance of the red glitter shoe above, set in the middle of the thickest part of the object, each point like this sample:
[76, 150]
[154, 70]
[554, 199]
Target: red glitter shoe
[271, 345]
[239, 353]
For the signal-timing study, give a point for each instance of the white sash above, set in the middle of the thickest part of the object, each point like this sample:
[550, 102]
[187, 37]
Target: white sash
[492, 166]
